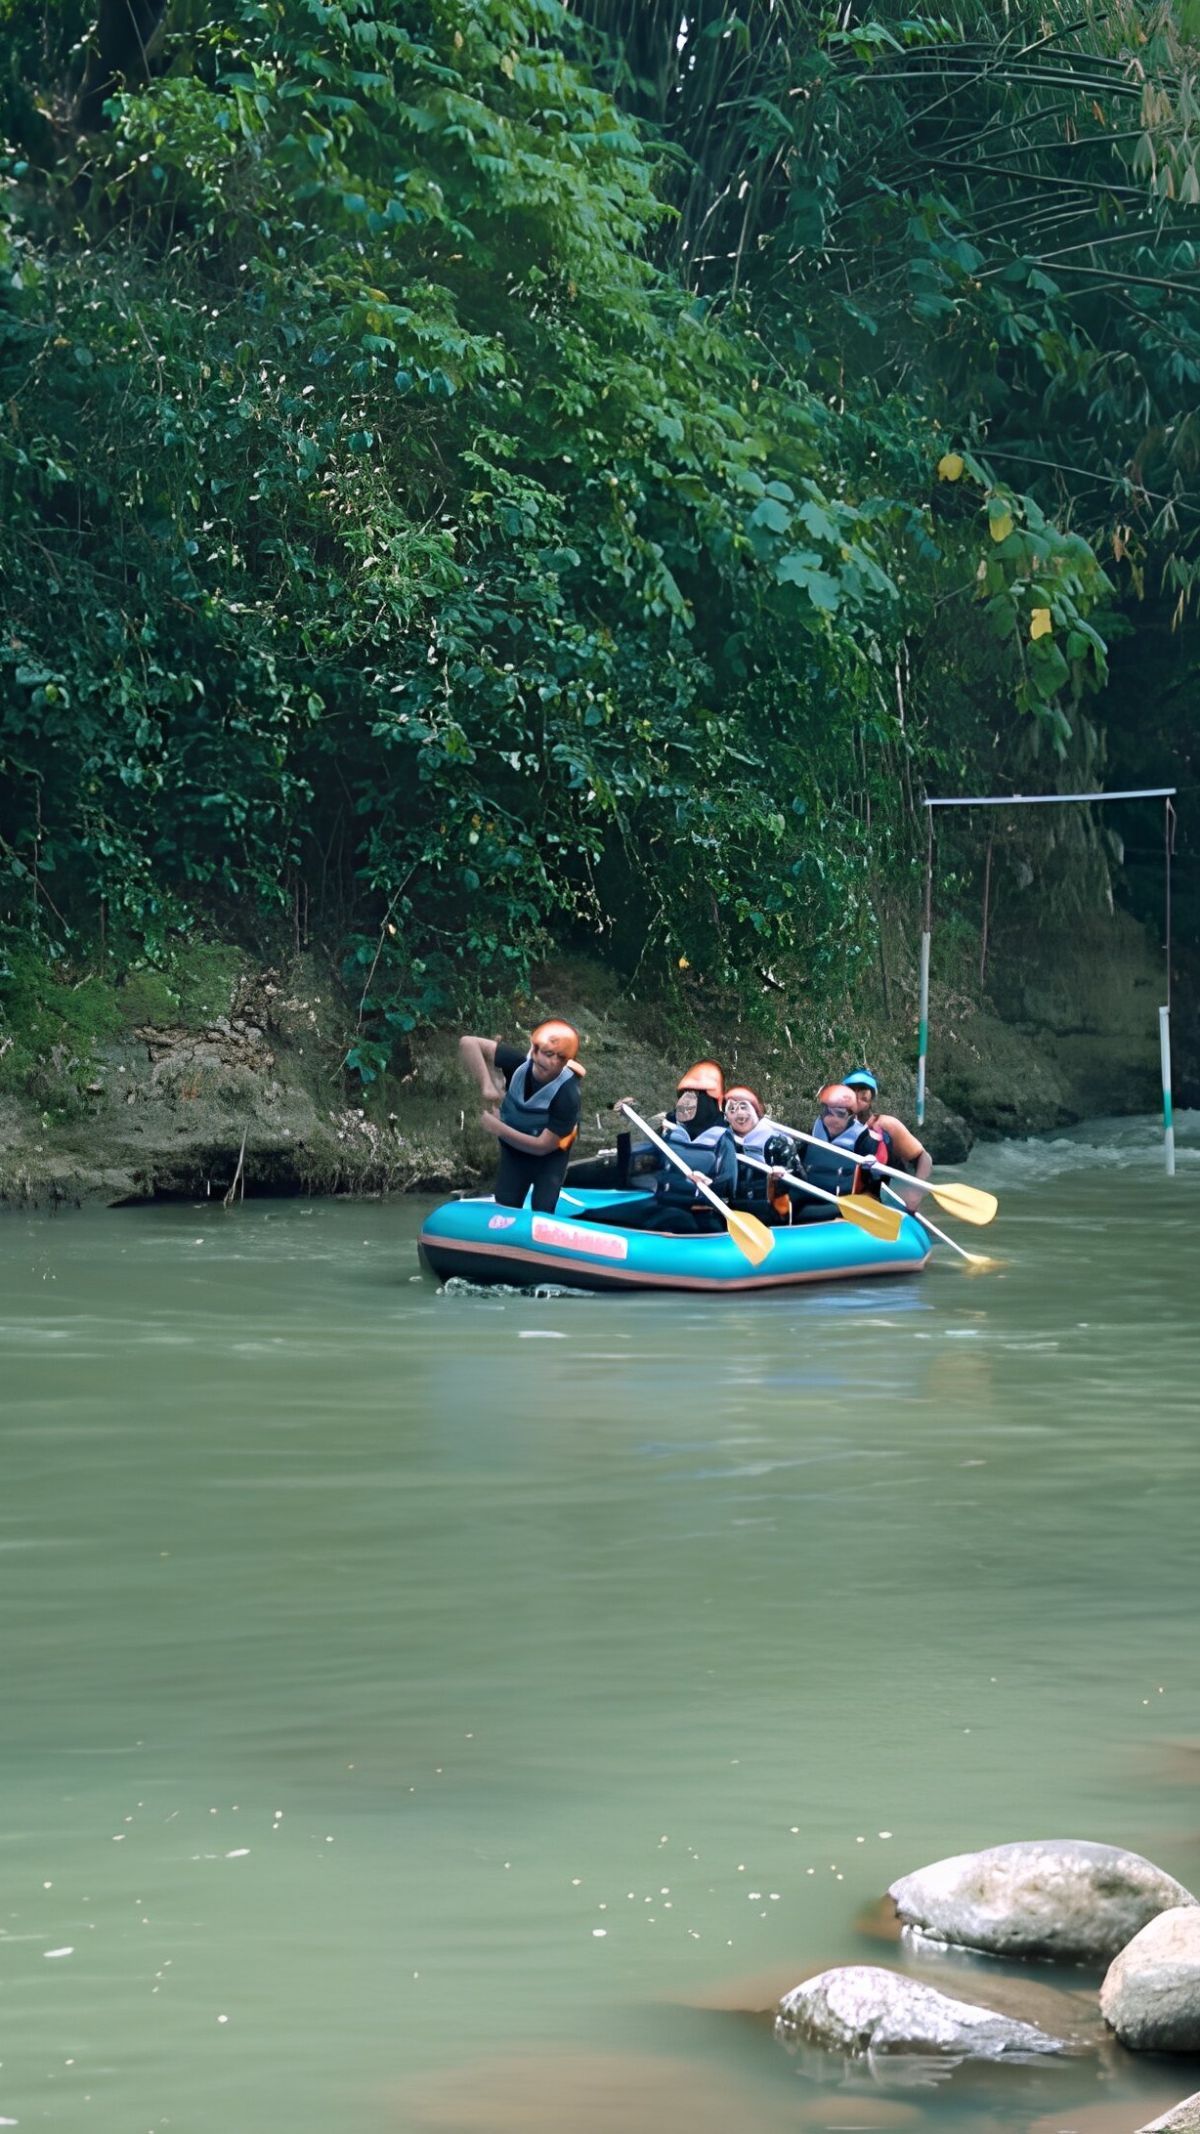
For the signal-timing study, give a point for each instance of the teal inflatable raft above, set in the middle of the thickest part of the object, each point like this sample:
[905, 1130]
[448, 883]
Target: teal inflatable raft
[484, 1243]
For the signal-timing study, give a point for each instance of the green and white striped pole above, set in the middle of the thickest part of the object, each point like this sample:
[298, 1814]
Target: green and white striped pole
[1164, 1051]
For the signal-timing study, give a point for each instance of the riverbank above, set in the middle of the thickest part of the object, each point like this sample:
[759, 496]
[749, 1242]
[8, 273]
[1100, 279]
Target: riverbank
[224, 1074]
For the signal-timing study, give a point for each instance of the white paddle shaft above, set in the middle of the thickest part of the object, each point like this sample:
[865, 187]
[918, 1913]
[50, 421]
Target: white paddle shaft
[865, 1163]
[792, 1178]
[943, 1235]
[702, 1186]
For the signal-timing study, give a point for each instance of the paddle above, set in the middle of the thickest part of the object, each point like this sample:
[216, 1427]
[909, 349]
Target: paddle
[749, 1235]
[970, 1203]
[859, 1208]
[979, 1261]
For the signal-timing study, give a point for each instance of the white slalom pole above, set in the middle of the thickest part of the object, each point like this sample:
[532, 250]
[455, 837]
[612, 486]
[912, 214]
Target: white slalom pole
[1164, 1050]
[923, 1027]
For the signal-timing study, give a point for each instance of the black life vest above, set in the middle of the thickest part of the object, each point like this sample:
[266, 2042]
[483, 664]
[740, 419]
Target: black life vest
[526, 1105]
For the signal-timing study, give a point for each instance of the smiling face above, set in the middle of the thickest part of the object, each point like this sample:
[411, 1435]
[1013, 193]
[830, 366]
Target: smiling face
[686, 1106]
[740, 1115]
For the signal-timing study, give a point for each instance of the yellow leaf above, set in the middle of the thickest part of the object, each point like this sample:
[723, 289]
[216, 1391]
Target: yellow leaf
[1000, 524]
[950, 467]
[684, 965]
[1040, 624]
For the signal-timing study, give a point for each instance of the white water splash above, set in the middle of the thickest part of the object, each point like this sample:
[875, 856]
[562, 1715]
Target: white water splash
[1132, 1144]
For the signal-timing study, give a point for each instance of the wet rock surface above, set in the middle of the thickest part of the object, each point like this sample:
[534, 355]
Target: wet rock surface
[1183, 2118]
[1063, 2007]
[1151, 1994]
[1062, 1898]
[861, 2009]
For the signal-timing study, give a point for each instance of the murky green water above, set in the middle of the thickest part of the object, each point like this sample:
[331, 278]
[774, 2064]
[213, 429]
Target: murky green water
[429, 1711]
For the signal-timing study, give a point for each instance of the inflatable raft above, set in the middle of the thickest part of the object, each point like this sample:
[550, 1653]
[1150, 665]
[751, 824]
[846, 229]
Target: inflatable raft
[484, 1243]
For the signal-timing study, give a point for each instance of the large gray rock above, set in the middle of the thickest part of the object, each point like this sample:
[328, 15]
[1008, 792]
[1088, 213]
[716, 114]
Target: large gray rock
[1151, 1994]
[1056, 1897]
[862, 2009]
[1182, 2118]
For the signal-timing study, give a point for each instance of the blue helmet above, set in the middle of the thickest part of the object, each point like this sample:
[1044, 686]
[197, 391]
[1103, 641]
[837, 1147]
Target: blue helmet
[861, 1078]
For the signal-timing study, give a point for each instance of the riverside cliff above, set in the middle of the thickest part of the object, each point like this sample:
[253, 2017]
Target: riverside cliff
[226, 1072]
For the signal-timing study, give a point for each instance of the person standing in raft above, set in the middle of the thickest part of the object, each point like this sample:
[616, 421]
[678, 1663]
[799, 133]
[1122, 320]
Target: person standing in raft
[538, 1117]
[902, 1144]
[697, 1129]
[760, 1193]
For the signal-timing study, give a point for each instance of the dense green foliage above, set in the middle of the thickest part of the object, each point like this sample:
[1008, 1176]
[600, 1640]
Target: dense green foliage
[459, 493]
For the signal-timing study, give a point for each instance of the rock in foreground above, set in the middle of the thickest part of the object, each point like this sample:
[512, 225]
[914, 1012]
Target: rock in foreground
[861, 2009]
[1151, 1995]
[1183, 2118]
[1062, 1898]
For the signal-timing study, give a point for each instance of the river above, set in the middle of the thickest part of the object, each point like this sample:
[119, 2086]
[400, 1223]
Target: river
[461, 1711]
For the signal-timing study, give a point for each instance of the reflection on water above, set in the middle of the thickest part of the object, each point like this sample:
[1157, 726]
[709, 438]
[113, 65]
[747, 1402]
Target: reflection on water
[438, 1710]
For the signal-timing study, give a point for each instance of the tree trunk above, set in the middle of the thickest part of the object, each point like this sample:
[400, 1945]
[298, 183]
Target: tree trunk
[120, 52]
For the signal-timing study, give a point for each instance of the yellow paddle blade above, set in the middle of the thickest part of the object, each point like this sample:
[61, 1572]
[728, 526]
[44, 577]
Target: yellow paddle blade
[750, 1236]
[871, 1215]
[969, 1203]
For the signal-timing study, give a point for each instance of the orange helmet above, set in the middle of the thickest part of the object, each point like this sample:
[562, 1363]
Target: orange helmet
[564, 1039]
[837, 1093]
[704, 1075]
[748, 1096]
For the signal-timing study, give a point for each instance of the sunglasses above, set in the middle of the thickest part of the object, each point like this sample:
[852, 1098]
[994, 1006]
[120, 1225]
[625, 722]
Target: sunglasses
[835, 1111]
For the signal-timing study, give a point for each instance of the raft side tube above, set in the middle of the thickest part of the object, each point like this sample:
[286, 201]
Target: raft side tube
[486, 1243]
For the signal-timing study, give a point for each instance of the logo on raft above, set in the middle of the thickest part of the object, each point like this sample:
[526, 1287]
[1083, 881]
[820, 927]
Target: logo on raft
[501, 1222]
[603, 1244]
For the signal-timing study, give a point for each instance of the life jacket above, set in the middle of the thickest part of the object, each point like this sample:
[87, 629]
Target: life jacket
[525, 1105]
[904, 1148]
[833, 1165]
[752, 1184]
[703, 1155]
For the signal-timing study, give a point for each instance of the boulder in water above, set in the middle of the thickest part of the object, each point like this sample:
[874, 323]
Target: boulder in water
[1183, 2118]
[1151, 1994]
[862, 2009]
[1062, 1898]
